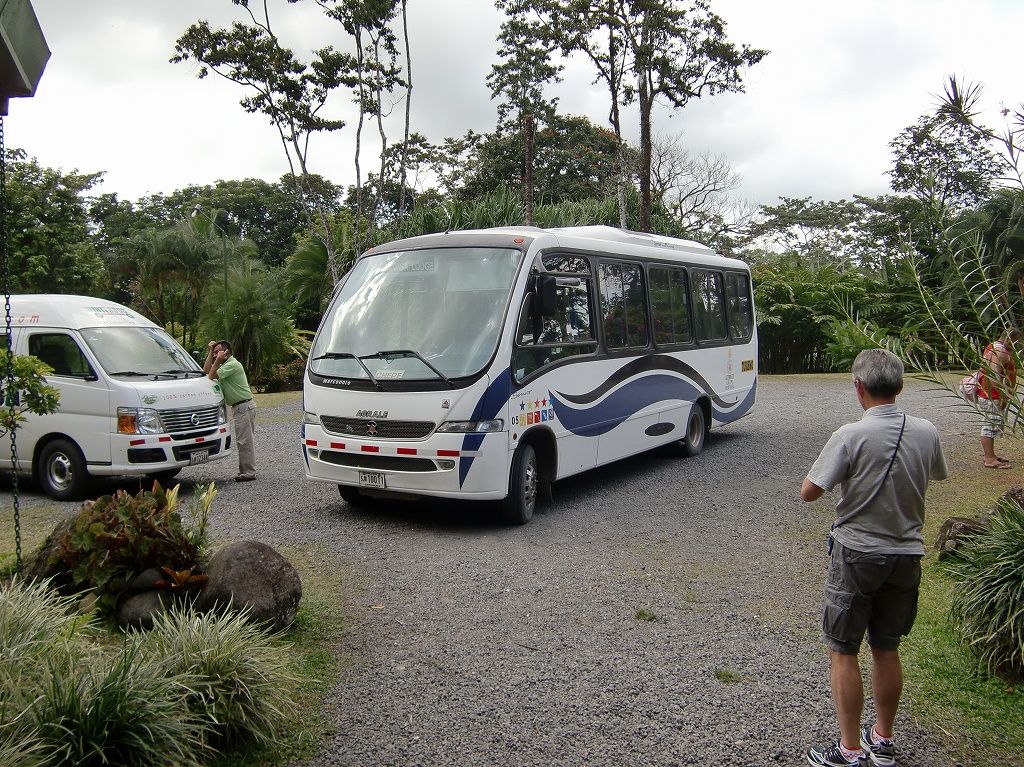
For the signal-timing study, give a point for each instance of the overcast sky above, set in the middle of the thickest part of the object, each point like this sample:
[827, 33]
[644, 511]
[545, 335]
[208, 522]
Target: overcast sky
[842, 79]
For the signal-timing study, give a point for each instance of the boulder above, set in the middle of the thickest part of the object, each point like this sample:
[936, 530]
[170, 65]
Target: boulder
[955, 531]
[137, 611]
[44, 562]
[253, 575]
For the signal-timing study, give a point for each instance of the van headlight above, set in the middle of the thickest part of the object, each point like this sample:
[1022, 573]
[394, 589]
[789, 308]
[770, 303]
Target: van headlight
[222, 414]
[471, 427]
[138, 420]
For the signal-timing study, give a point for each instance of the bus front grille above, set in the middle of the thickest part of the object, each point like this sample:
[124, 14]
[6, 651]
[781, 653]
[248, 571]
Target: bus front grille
[379, 462]
[361, 427]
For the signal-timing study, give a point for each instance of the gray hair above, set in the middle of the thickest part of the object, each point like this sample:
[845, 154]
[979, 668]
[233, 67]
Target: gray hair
[880, 371]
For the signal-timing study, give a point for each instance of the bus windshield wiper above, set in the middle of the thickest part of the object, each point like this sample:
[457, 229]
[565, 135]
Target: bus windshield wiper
[393, 354]
[349, 356]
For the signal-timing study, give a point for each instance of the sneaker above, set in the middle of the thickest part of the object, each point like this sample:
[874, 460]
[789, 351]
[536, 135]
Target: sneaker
[832, 756]
[245, 478]
[881, 752]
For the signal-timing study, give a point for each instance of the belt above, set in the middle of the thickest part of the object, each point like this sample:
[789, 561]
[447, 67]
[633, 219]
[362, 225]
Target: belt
[242, 402]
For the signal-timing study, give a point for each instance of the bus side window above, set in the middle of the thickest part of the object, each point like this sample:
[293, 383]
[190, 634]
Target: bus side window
[741, 319]
[708, 305]
[623, 305]
[568, 333]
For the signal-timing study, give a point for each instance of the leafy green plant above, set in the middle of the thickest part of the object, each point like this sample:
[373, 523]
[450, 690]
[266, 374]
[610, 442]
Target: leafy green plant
[988, 604]
[127, 711]
[33, 393]
[239, 682]
[728, 675]
[118, 536]
[643, 614]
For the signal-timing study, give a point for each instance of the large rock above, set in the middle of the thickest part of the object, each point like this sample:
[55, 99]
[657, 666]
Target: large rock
[251, 574]
[955, 531]
[138, 611]
[44, 563]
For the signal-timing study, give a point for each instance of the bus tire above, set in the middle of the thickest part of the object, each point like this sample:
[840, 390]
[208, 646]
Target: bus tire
[696, 430]
[524, 487]
[352, 496]
[61, 472]
[165, 476]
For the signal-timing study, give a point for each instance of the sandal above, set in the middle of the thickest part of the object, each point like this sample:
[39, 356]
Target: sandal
[998, 465]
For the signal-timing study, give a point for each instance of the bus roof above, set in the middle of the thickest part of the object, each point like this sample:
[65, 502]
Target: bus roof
[59, 311]
[584, 238]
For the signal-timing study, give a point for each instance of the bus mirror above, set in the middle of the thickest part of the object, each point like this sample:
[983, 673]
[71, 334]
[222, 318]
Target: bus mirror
[547, 296]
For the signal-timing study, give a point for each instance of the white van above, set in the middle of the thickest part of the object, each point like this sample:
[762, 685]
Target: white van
[132, 401]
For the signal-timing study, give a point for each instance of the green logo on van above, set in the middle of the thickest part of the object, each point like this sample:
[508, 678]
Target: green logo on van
[216, 388]
[149, 399]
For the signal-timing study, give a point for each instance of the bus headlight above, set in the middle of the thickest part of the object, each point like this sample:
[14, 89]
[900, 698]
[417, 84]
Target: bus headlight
[471, 427]
[310, 418]
[138, 420]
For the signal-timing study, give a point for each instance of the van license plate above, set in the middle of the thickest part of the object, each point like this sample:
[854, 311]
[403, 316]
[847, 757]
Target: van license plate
[199, 456]
[372, 479]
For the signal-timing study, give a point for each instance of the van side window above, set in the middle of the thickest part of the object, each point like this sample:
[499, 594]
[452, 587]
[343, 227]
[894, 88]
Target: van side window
[60, 352]
[708, 305]
[542, 340]
[670, 305]
[623, 303]
[737, 293]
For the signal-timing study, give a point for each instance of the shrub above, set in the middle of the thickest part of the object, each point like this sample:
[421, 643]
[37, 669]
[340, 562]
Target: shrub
[988, 603]
[130, 711]
[239, 684]
[120, 535]
[286, 376]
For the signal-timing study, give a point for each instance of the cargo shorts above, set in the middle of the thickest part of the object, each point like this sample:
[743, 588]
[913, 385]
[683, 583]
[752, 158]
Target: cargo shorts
[868, 592]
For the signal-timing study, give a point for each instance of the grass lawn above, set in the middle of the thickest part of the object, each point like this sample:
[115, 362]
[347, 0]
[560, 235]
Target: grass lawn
[979, 716]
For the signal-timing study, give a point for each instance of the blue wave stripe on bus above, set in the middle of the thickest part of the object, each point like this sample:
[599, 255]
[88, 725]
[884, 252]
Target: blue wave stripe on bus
[493, 400]
[638, 394]
[738, 411]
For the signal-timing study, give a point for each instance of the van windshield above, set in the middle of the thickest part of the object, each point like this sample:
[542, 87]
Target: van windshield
[139, 351]
[442, 307]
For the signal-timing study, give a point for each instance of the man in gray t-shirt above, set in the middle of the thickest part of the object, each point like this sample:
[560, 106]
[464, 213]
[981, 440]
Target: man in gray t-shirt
[882, 465]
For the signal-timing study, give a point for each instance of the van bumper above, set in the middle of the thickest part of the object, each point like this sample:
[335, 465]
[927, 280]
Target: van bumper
[149, 453]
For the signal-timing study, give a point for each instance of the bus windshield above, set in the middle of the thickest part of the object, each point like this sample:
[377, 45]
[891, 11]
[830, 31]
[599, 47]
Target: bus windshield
[420, 314]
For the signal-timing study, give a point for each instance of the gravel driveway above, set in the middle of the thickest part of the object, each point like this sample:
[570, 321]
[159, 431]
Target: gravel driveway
[664, 611]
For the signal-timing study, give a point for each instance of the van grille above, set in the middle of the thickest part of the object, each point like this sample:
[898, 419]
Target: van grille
[359, 427]
[182, 419]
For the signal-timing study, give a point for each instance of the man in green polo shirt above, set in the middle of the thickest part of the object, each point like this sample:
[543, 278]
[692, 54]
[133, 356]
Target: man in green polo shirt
[222, 367]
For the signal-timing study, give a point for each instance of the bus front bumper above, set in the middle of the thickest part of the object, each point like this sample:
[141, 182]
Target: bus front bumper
[442, 466]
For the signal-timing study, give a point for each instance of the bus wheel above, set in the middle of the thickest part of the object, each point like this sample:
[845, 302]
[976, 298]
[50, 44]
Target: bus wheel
[353, 497]
[693, 442]
[165, 476]
[523, 487]
[61, 471]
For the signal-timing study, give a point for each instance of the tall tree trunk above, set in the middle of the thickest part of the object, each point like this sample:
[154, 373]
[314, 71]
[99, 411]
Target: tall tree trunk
[359, 138]
[646, 100]
[408, 101]
[529, 129]
[620, 150]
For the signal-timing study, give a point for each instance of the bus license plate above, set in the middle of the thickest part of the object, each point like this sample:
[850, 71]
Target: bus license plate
[372, 479]
[199, 456]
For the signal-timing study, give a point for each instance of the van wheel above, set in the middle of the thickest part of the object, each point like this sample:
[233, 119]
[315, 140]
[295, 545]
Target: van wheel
[696, 430]
[524, 487]
[163, 477]
[61, 471]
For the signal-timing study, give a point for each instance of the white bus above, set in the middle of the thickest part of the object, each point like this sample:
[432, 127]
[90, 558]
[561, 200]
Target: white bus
[488, 364]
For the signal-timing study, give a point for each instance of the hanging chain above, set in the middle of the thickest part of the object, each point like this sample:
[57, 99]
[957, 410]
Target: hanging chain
[11, 394]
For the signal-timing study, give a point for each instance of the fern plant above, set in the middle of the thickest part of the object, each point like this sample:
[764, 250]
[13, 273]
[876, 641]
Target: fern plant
[988, 605]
